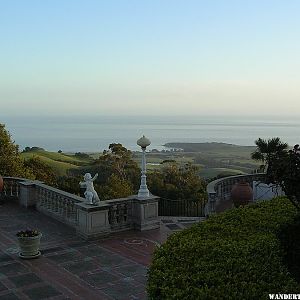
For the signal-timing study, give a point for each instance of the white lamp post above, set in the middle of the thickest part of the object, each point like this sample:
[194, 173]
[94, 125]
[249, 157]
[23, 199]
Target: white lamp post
[143, 142]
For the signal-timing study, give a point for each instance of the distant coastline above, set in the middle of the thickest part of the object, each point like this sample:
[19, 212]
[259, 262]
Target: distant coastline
[209, 146]
[95, 133]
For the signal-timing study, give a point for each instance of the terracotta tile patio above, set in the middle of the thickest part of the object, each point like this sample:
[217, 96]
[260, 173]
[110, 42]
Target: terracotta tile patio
[71, 268]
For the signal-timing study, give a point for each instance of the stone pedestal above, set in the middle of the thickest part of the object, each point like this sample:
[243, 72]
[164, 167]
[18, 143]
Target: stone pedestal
[27, 196]
[145, 213]
[210, 207]
[93, 221]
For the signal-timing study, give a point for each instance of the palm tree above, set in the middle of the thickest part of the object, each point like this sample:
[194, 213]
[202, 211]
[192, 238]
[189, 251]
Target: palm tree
[268, 150]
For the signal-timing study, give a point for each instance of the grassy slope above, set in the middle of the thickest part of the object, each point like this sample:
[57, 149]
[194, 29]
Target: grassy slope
[214, 172]
[60, 162]
[55, 156]
[212, 158]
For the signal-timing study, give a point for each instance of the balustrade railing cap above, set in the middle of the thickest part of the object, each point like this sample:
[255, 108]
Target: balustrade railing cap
[211, 187]
[89, 207]
[30, 182]
[14, 178]
[145, 199]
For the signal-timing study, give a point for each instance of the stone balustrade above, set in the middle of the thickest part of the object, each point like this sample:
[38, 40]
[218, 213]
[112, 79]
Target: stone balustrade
[120, 213]
[57, 204]
[219, 190]
[11, 187]
[89, 221]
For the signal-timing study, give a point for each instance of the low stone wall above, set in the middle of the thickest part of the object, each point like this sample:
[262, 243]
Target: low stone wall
[90, 221]
[219, 190]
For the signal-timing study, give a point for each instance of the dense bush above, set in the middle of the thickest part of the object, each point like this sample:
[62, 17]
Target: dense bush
[234, 255]
[290, 240]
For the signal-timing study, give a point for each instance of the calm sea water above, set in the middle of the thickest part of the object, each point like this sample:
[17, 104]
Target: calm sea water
[95, 133]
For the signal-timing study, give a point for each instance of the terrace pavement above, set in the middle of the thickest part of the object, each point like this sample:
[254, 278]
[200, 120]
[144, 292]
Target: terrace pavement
[71, 268]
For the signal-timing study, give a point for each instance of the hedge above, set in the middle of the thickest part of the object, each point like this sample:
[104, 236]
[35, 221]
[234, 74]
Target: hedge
[233, 255]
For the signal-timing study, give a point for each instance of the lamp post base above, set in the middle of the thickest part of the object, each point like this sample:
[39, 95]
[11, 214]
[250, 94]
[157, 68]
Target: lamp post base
[143, 193]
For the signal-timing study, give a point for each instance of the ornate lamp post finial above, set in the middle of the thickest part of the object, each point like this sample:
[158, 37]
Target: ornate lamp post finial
[143, 142]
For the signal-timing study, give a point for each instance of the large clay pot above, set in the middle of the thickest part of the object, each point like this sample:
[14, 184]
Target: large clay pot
[1, 183]
[241, 194]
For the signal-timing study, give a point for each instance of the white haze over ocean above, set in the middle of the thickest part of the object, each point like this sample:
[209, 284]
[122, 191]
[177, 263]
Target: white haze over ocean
[95, 133]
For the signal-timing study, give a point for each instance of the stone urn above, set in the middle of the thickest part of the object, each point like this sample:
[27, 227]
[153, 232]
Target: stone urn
[1, 183]
[29, 246]
[241, 194]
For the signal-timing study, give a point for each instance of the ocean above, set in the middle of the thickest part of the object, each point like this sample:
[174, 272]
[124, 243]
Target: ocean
[94, 133]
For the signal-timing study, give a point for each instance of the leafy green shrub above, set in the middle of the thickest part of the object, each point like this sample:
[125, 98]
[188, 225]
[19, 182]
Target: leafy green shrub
[290, 240]
[234, 255]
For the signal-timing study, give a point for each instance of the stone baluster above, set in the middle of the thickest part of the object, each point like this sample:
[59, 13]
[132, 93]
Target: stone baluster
[71, 211]
[48, 197]
[60, 206]
[121, 213]
[113, 214]
[45, 199]
[11, 188]
[212, 203]
[56, 203]
[75, 213]
[40, 197]
[125, 210]
[65, 208]
[52, 201]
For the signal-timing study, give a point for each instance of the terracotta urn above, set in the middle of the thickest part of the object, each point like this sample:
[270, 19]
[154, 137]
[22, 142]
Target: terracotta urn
[241, 194]
[1, 183]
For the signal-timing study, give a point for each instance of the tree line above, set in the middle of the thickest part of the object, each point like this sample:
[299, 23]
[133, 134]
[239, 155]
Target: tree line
[119, 173]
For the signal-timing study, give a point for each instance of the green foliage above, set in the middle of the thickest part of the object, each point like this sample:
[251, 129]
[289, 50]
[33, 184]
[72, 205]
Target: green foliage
[268, 150]
[282, 166]
[286, 172]
[177, 182]
[29, 149]
[11, 163]
[116, 160]
[118, 173]
[115, 187]
[168, 161]
[82, 155]
[40, 170]
[290, 240]
[70, 184]
[61, 163]
[234, 255]
[28, 233]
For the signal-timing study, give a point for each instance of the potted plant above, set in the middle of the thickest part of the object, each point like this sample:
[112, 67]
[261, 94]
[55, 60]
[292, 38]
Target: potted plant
[29, 243]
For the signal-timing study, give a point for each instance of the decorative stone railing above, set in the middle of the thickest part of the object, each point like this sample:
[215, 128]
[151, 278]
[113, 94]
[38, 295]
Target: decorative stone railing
[11, 187]
[219, 190]
[89, 221]
[120, 213]
[58, 204]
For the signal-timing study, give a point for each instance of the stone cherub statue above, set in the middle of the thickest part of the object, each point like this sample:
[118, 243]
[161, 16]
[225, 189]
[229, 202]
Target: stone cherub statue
[90, 194]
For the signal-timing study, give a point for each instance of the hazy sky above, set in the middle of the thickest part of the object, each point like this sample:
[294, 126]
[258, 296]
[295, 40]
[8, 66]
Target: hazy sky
[149, 57]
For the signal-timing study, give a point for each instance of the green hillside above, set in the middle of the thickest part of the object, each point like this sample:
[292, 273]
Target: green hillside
[214, 172]
[60, 162]
[213, 158]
